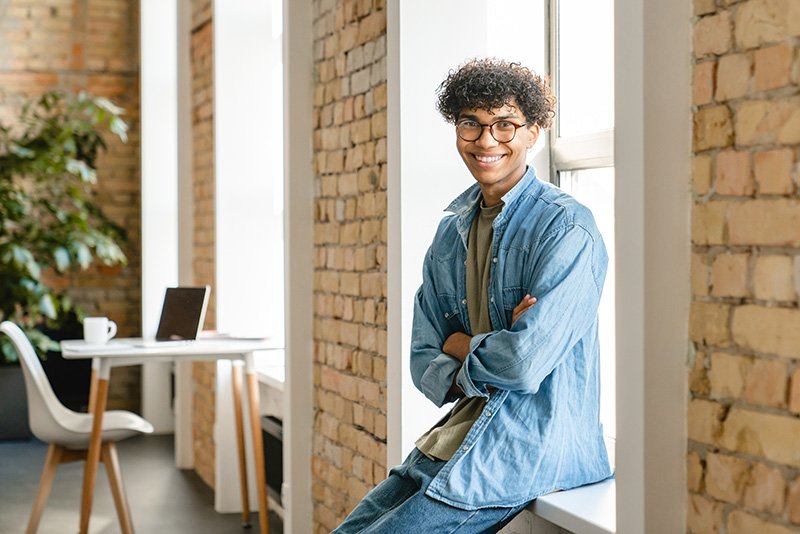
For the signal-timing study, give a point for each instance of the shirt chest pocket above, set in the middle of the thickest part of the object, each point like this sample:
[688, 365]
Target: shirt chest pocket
[513, 280]
[450, 313]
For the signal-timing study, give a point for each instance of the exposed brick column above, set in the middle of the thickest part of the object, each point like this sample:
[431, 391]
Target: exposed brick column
[204, 373]
[93, 46]
[349, 448]
[744, 430]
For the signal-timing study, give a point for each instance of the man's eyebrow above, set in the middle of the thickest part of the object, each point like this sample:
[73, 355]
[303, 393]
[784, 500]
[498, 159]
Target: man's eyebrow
[497, 118]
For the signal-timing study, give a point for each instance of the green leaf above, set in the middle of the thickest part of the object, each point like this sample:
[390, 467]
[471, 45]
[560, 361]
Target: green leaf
[8, 350]
[83, 254]
[24, 258]
[61, 255]
[21, 151]
[81, 169]
[119, 127]
[47, 307]
[107, 105]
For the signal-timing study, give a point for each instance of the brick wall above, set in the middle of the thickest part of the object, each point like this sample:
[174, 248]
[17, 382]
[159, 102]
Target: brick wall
[204, 373]
[349, 444]
[743, 416]
[93, 46]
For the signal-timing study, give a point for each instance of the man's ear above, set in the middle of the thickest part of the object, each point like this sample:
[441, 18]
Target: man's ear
[534, 135]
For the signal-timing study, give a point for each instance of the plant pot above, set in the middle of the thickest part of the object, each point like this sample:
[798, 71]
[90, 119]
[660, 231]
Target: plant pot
[13, 404]
[70, 379]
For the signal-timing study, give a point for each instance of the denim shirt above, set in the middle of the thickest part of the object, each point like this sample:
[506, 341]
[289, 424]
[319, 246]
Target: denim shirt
[540, 429]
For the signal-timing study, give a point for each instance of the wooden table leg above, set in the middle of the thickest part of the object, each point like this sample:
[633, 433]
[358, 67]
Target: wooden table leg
[236, 371]
[93, 390]
[93, 455]
[258, 445]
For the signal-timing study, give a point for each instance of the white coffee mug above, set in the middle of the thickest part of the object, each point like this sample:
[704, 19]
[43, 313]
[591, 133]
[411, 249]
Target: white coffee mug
[98, 330]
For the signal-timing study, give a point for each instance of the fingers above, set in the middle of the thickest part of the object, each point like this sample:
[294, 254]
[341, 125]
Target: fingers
[526, 302]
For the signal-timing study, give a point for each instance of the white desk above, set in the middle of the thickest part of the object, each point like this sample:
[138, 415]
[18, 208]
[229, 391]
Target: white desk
[125, 352]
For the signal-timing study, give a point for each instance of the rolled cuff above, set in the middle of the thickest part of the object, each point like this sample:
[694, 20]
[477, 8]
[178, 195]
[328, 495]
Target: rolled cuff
[464, 381]
[438, 377]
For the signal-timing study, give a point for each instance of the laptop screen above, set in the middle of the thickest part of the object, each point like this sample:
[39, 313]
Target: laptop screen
[183, 313]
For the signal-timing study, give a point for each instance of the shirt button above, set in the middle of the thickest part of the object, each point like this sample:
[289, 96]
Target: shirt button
[465, 448]
[446, 315]
[487, 413]
[494, 260]
[464, 301]
[492, 299]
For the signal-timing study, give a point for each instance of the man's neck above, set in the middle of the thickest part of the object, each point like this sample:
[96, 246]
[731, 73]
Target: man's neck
[493, 194]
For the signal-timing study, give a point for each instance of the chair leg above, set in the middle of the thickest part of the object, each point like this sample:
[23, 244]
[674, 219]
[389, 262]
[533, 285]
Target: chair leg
[54, 454]
[111, 461]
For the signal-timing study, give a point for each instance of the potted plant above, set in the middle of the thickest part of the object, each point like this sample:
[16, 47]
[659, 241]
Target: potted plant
[49, 221]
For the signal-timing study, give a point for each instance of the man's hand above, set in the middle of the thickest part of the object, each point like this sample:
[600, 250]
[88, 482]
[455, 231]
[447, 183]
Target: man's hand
[457, 344]
[526, 302]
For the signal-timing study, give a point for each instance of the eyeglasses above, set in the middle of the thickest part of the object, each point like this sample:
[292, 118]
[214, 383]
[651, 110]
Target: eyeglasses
[502, 131]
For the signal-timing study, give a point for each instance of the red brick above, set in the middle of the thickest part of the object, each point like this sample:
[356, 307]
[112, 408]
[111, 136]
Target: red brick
[712, 34]
[703, 82]
[729, 275]
[733, 76]
[765, 489]
[773, 171]
[794, 501]
[766, 383]
[794, 392]
[733, 176]
[773, 67]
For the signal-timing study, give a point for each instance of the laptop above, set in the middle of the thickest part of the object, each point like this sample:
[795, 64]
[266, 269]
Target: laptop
[182, 316]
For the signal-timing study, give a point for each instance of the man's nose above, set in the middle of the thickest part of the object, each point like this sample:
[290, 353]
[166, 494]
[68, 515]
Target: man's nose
[486, 138]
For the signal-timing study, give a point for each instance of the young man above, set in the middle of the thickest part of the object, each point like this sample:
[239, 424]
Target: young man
[505, 323]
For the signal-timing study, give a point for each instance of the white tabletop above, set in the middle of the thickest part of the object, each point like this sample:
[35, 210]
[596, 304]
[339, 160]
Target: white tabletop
[133, 349]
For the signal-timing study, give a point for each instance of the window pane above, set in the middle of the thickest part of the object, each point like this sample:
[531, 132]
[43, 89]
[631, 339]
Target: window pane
[594, 188]
[585, 56]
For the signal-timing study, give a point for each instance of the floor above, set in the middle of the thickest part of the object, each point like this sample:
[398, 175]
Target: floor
[162, 498]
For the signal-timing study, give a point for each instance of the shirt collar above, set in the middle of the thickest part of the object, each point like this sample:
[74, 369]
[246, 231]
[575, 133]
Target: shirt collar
[464, 203]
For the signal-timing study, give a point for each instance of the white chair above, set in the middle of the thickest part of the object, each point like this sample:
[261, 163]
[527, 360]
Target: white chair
[68, 432]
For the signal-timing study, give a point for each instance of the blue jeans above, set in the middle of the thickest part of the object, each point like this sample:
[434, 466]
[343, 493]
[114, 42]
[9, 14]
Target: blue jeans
[399, 504]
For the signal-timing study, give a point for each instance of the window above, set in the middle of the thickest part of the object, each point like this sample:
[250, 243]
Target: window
[582, 146]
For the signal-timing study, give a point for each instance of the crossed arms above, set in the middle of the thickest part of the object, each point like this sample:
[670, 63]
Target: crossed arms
[457, 344]
[567, 279]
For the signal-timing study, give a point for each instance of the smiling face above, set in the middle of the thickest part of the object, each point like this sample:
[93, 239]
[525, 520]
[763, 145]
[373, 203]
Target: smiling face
[496, 166]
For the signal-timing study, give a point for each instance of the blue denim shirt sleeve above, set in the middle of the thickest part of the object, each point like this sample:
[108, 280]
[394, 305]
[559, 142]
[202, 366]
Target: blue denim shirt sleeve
[431, 370]
[567, 280]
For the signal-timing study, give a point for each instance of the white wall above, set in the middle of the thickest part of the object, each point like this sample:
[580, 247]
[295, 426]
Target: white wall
[425, 171]
[653, 135]
[299, 217]
[248, 180]
[248, 174]
[159, 148]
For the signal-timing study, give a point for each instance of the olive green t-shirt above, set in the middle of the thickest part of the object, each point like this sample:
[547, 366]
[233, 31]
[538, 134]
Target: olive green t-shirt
[442, 441]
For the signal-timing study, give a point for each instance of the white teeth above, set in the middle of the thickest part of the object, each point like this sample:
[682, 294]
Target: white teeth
[488, 159]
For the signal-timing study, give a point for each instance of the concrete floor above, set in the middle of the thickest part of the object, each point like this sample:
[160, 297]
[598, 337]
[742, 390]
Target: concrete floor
[162, 498]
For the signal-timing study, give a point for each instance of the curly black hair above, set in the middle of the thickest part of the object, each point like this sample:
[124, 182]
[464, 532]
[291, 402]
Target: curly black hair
[491, 83]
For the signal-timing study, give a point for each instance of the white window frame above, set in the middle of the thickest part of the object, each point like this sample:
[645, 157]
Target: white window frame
[578, 152]
[652, 169]
[575, 152]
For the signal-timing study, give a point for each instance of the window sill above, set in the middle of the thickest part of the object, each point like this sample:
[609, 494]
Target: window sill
[586, 510]
[271, 370]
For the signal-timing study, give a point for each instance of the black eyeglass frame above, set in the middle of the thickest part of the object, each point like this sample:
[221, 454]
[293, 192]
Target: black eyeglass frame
[491, 129]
